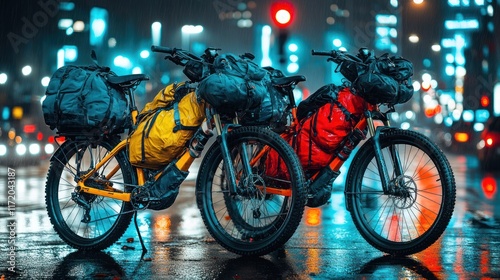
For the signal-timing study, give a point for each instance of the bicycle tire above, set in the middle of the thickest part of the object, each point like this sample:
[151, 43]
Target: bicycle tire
[411, 220]
[109, 218]
[230, 219]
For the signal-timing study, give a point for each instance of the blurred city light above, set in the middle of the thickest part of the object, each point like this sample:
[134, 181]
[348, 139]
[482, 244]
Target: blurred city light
[34, 149]
[79, 26]
[21, 149]
[489, 186]
[292, 67]
[416, 86]
[436, 47]
[5, 113]
[144, 54]
[66, 6]
[192, 29]
[461, 137]
[26, 70]
[98, 25]
[60, 58]
[468, 115]
[65, 23]
[49, 148]
[156, 33]
[265, 45]
[482, 115]
[293, 47]
[45, 81]
[461, 24]
[3, 78]
[137, 70]
[496, 99]
[244, 23]
[122, 61]
[111, 43]
[478, 127]
[413, 38]
[337, 43]
[17, 112]
[70, 53]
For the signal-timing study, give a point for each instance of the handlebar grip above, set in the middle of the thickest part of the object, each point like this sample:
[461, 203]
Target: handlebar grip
[322, 53]
[162, 49]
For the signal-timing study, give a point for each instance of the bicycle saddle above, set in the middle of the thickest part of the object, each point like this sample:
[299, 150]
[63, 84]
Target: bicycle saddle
[286, 81]
[127, 80]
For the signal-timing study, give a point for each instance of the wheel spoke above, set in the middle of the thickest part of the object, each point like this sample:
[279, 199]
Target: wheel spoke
[418, 205]
[67, 207]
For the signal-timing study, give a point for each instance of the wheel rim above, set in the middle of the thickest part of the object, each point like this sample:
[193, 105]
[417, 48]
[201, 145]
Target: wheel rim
[413, 206]
[68, 203]
[252, 214]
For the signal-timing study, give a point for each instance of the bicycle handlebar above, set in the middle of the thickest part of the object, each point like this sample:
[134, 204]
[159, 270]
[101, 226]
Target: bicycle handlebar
[177, 56]
[162, 49]
[331, 53]
[338, 56]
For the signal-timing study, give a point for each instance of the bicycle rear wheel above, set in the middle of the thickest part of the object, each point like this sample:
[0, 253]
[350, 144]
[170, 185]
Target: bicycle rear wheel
[105, 219]
[266, 209]
[418, 207]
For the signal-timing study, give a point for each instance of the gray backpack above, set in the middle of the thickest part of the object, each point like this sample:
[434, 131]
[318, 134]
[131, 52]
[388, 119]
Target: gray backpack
[237, 84]
[79, 100]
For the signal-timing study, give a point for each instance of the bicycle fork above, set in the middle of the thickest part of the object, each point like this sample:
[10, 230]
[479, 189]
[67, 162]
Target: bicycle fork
[381, 162]
[226, 154]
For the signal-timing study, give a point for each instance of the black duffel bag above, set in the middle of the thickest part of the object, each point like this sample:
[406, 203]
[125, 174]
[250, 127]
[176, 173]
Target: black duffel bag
[385, 79]
[79, 99]
[237, 84]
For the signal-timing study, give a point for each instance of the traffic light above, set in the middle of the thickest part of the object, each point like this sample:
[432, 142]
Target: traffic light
[282, 15]
[485, 101]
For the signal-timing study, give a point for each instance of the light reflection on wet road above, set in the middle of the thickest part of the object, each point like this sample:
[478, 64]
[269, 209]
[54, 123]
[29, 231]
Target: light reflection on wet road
[326, 245]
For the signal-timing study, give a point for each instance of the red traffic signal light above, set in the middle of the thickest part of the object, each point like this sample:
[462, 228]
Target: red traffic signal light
[282, 13]
[485, 101]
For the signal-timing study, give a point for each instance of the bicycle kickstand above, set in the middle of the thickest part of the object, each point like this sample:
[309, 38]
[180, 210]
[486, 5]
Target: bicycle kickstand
[144, 250]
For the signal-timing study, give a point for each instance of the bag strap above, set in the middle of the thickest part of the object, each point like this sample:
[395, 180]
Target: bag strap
[145, 134]
[57, 104]
[177, 118]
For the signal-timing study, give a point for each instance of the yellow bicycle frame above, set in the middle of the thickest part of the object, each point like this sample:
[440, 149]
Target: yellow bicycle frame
[183, 163]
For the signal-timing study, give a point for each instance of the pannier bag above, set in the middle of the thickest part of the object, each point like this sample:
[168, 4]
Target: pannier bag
[164, 127]
[320, 134]
[271, 111]
[330, 115]
[79, 99]
[385, 79]
[237, 84]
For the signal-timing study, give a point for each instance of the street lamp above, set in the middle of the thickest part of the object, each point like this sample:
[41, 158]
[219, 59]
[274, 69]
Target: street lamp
[414, 38]
[26, 70]
[156, 33]
[187, 31]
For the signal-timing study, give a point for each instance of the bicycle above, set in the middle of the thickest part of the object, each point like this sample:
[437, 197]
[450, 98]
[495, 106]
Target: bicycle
[400, 188]
[92, 190]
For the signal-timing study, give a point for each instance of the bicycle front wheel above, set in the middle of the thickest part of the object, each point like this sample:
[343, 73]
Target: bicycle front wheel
[267, 206]
[417, 207]
[86, 221]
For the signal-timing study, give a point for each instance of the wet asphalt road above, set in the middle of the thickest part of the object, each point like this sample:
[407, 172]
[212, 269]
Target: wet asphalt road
[325, 246]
